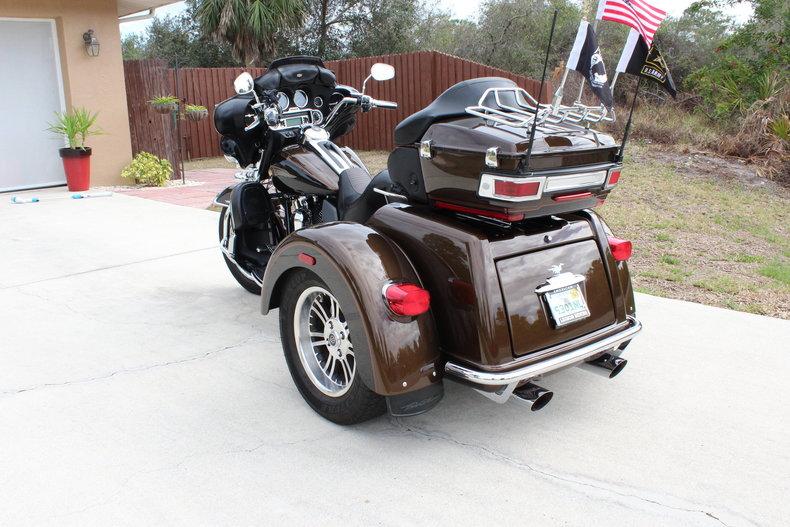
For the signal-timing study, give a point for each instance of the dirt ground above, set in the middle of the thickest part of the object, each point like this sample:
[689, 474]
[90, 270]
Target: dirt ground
[705, 228]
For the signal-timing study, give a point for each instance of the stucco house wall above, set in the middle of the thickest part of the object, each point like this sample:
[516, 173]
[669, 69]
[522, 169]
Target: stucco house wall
[97, 83]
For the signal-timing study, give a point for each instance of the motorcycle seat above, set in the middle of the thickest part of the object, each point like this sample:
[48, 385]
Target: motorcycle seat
[356, 199]
[450, 104]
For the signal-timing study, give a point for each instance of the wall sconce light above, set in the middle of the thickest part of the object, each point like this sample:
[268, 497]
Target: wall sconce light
[91, 43]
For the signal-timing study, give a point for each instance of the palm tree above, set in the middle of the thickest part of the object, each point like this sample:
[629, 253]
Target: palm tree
[250, 26]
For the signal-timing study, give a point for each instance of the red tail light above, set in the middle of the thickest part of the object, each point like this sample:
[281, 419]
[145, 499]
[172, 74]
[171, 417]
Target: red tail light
[516, 190]
[621, 249]
[407, 299]
[499, 187]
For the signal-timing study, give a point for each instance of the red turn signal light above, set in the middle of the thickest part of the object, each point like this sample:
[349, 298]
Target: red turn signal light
[621, 249]
[613, 177]
[407, 299]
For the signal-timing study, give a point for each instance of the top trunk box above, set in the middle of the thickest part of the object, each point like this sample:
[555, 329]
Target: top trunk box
[467, 151]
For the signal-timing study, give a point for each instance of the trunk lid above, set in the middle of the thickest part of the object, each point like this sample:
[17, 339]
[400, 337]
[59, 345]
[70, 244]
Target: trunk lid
[524, 280]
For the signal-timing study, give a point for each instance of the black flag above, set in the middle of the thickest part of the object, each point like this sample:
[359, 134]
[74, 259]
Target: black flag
[638, 59]
[586, 58]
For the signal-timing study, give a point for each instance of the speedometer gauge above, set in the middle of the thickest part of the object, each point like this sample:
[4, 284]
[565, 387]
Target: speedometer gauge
[282, 101]
[300, 98]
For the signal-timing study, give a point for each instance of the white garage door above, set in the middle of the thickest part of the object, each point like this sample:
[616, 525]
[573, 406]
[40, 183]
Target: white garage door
[31, 90]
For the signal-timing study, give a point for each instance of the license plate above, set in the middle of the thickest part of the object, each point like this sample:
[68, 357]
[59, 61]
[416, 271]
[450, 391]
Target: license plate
[567, 304]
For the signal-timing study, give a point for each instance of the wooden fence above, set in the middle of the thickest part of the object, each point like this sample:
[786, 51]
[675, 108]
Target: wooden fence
[151, 132]
[419, 78]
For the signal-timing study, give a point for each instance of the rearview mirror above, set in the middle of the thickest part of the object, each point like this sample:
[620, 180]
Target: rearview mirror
[382, 72]
[243, 83]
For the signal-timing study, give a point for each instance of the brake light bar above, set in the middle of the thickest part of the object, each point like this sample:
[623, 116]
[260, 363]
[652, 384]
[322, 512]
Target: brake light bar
[504, 216]
[507, 188]
[571, 197]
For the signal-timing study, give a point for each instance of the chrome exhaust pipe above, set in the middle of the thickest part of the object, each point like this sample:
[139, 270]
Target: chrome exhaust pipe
[606, 364]
[532, 396]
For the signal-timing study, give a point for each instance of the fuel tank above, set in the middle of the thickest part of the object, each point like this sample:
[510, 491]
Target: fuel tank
[303, 171]
[489, 282]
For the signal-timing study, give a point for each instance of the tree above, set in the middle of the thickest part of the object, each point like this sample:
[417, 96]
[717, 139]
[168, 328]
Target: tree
[513, 34]
[250, 26]
[178, 39]
[133, 47]
[750, 64]
[386, 26]
[691, 40]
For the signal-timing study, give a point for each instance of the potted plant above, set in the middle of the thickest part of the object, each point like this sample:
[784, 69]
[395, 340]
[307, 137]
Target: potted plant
[77, 126]
[164, 104]
[195, 112]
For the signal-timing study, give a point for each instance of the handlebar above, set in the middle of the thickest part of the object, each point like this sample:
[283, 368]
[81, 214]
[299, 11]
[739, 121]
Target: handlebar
[388, 105]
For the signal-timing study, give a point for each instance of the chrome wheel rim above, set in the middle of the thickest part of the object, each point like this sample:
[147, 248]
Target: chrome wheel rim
[323, 342]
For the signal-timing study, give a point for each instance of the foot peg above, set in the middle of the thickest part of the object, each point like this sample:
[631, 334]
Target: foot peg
[607, 365]
[532, 396]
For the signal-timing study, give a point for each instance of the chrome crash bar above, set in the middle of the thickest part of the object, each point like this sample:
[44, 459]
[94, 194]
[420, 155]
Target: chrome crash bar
[509, 380]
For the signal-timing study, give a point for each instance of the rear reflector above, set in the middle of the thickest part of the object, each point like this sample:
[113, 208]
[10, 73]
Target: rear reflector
[479, 212]
[306, 259]
[407, 299]
[621, 249]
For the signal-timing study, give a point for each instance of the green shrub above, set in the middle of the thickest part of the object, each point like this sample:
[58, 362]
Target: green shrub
[195, 108]
[148, 170]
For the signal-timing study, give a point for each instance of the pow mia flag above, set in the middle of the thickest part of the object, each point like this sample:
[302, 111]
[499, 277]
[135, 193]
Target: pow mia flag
[638, 59]
[586, 58]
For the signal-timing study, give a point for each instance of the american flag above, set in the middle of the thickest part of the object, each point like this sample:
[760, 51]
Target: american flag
[637, 14]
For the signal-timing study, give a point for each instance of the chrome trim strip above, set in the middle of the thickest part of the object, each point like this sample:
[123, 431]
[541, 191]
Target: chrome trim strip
[571, 358]
[560, 280]
[389, 194]
[572, 181]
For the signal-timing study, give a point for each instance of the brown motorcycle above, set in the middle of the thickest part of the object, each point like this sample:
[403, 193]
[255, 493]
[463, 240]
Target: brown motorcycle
[475, 257]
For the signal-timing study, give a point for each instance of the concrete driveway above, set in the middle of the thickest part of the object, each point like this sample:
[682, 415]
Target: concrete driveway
[140, 386]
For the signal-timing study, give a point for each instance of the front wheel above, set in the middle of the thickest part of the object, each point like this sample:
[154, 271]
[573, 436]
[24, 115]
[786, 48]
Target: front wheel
[320, 352]
[250, 285]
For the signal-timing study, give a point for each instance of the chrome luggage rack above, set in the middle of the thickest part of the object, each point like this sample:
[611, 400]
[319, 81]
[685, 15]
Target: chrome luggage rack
[512, 106]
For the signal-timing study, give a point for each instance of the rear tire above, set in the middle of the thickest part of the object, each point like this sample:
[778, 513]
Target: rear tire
[319, 352]
[246, 283]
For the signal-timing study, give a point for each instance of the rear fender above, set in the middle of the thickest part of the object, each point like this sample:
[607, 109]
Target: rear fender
[223, 198]
[356, 262]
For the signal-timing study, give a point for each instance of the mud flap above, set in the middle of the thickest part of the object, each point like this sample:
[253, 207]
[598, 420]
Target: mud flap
[417, 402]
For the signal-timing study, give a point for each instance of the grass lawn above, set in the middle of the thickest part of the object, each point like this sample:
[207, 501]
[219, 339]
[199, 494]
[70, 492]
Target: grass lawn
[705, 228]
